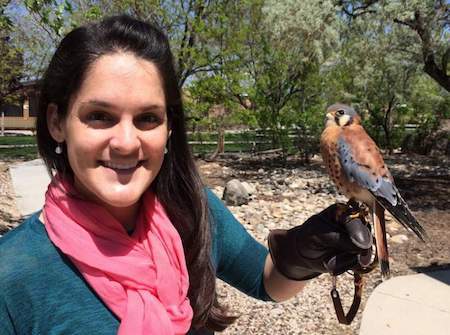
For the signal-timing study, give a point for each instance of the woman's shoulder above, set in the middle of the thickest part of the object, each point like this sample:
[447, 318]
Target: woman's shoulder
[24, 248]
[16, 237]
[214, 203]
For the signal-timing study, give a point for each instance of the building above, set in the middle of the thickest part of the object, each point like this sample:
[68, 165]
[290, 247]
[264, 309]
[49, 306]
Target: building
[23, 115]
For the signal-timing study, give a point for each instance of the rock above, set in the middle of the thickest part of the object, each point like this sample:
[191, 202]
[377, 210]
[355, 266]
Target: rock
[235, 194]
[218, 191]
[393, 229]
[399, 238]
[251, 216]
[277, 212]
[287, 208]
[392, 223]
[261, 229]
[251, 189]
[277, 311]
[288, 194]
[297, 184]
[268, 193]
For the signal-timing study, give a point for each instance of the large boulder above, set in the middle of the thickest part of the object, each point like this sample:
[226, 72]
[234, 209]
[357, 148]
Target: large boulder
[235, 194]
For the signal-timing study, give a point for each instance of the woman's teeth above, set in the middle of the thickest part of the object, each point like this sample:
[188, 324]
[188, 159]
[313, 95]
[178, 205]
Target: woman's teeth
[120, 166]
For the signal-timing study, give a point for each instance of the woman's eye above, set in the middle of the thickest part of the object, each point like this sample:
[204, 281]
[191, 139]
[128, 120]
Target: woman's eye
[147, 121]
[99, 119]
[98, 116]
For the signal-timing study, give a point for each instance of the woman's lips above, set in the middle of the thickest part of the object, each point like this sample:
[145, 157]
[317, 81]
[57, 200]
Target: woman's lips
[122, 167]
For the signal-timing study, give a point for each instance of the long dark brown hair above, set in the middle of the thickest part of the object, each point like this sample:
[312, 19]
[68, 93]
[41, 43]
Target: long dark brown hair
[178, 185]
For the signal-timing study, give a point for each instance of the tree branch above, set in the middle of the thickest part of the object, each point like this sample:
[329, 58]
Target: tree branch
[430, 66]
[358, 10]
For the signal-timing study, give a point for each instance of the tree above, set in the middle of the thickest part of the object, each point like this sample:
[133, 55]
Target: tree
[431, 24]
[192, 26]
[210, 104]
[11, 62]
[285, 44]
[376, 79]
[424, 25]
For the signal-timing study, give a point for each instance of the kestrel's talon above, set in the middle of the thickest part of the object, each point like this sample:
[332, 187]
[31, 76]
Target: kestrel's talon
[354, 216]
[352, 203]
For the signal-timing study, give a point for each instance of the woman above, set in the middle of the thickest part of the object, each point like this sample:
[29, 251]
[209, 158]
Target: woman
[129, 241]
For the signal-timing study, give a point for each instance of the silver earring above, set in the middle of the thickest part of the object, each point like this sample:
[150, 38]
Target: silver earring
[58, 149]
[166, 150]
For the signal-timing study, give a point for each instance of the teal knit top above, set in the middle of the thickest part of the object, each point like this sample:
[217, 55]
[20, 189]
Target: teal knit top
[42, 292]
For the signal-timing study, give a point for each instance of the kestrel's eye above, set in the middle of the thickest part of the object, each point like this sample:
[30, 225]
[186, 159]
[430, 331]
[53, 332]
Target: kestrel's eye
[340, 112]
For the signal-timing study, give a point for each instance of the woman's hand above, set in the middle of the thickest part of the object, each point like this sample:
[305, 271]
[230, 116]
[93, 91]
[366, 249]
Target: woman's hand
[333, 241]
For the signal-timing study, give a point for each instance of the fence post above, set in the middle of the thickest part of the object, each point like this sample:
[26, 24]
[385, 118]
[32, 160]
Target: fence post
[3, 124]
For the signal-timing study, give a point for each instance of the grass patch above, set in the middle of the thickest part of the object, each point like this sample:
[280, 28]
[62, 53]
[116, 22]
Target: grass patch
[26, 153]
[17, 140]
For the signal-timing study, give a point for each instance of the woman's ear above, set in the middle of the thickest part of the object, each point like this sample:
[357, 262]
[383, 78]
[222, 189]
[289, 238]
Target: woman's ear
[54, 123]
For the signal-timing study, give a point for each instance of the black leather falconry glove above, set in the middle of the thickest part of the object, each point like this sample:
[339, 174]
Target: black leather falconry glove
[332, 241]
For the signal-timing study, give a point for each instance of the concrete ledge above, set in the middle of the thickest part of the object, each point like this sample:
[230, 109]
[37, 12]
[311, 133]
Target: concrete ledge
[413, 305]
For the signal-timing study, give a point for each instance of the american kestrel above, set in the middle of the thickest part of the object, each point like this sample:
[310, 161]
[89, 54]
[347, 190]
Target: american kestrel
[356, 166]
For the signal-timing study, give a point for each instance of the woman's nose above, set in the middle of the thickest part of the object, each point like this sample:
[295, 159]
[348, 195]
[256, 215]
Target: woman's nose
[125, 139]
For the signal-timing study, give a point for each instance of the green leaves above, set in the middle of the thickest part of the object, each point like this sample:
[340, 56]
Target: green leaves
[11, 59]
[278, 64]
[52, 15]
[93, 13]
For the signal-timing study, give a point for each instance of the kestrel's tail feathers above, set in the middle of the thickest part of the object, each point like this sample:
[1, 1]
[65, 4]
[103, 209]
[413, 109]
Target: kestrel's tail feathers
[403, 215]
[379, 226]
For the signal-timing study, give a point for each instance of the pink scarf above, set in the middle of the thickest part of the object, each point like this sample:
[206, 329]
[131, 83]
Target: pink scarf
[142, 278]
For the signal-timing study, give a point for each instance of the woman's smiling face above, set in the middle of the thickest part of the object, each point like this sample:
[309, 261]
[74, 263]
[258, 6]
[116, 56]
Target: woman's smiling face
[115, 131]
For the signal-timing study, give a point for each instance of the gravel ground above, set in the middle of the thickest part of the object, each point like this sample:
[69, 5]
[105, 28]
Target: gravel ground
[287, 193]
[9, 215]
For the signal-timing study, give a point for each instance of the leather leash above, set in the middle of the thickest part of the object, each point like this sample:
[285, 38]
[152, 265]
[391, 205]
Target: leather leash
[347, 318]
[342, 317]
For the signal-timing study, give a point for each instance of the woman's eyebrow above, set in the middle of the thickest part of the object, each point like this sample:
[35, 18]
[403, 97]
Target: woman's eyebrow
[97, 103]
[105, 104]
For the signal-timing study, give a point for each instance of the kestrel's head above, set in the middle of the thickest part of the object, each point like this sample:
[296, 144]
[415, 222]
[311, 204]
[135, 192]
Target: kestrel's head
[341, 115]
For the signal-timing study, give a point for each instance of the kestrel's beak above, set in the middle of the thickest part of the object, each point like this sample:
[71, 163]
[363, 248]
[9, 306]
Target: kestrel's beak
[329, 117]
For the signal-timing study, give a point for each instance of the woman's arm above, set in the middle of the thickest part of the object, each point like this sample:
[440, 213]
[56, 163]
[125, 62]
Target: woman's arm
[277, 286]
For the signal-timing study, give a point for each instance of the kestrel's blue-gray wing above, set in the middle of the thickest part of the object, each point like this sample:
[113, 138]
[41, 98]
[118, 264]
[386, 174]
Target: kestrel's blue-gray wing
[363, 164]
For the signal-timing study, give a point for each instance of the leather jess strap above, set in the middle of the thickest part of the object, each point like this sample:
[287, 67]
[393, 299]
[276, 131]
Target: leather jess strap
[343, 318]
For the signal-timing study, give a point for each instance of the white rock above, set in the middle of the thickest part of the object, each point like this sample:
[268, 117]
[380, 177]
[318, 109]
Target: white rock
[261, 229]
[288, 194]
[277, 311]
[399, 238]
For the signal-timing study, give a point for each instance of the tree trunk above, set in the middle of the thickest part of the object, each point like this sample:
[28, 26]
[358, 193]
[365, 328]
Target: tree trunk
[220, 149]
[387, 125]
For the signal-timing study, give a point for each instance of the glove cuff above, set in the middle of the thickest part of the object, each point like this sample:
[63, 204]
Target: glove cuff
[283, 251]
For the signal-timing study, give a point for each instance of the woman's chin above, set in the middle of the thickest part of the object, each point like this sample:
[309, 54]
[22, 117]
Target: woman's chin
[120, 196]
[120, 200]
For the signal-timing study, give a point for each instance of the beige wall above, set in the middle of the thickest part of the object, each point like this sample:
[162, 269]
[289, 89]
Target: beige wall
[16, 122]
[12, 122]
